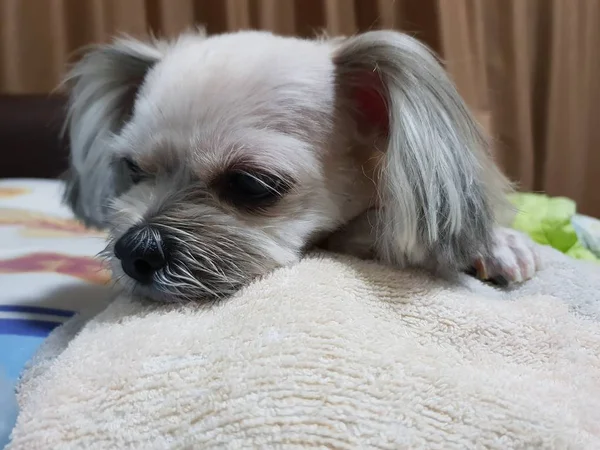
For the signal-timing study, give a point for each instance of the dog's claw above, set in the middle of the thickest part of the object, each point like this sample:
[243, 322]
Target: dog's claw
[499, 281]
[514, 259]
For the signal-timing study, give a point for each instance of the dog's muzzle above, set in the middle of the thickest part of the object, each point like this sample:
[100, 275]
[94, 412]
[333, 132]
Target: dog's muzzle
[142, 252]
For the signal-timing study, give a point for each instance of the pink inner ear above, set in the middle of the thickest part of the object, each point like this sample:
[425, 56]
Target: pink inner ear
[371, 103]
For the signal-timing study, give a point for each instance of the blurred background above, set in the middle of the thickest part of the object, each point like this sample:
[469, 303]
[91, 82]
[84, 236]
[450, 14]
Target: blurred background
[529, 69]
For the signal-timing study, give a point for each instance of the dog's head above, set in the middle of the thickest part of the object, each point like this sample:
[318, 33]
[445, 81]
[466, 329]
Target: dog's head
[214, 160]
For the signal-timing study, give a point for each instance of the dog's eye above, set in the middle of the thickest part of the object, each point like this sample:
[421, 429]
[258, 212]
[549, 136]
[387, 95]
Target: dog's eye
[134, 170]
[248, 189]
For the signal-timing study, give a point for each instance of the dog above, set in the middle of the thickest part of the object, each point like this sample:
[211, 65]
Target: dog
[213, 160]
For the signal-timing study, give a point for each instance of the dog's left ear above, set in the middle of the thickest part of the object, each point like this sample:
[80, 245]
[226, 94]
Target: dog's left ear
[439, 190]
[102, 90]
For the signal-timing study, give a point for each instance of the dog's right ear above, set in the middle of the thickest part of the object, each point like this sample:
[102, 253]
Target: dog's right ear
[102, 89]
[440, 195]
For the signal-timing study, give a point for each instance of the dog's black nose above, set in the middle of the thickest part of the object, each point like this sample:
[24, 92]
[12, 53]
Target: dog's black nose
[142, 252]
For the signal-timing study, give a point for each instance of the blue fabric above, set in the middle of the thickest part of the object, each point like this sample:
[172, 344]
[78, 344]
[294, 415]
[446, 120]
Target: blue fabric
[15, 351]
[22, 329]
[25, 327]
[20, 337]
[8, 409]
[36, 310]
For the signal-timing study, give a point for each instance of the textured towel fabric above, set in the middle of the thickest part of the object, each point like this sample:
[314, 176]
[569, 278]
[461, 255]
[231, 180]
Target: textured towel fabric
[332, 353]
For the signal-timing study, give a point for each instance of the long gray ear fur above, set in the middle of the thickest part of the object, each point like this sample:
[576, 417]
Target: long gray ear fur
[102, 89]
[440, 192]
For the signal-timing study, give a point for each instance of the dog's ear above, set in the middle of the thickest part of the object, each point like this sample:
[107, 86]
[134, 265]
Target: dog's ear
[102, 89]
[439, 189]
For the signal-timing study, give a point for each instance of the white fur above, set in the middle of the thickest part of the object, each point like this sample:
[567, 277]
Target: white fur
[189, 109]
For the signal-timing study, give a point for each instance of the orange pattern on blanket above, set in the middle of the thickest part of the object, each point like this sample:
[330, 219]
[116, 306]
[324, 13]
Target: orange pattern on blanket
[42, 225]
[82, 267]
[9, 192]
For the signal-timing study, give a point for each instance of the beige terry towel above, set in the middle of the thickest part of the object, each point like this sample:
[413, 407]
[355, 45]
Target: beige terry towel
[331, 353]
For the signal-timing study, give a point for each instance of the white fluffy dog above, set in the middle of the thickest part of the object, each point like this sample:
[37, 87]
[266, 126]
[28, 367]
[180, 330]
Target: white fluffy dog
[213, 160]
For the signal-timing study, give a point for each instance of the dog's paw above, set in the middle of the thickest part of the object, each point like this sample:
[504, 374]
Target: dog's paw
[514, 259]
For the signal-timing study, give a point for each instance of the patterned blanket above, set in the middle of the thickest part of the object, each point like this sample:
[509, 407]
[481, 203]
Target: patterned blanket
[48, 270]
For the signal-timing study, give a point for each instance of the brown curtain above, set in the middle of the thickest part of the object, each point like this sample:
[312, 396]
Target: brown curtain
[529, 68]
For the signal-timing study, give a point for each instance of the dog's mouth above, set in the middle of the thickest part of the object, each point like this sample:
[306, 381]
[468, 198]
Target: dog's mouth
[174, 270]
[176, 282]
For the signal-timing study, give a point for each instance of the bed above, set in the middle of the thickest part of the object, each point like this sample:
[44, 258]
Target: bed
[333, 352]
